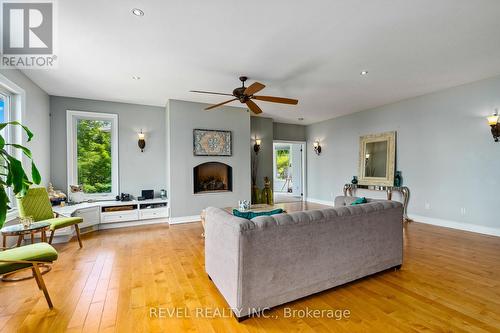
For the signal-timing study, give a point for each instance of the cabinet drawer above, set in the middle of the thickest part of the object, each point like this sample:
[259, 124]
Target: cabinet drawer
[153, 213]
[111, 217]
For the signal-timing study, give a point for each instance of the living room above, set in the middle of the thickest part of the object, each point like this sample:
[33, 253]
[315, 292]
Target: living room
[205, 167]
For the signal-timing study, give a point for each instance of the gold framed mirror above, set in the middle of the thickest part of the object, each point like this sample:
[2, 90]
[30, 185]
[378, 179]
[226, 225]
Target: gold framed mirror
[377, 159]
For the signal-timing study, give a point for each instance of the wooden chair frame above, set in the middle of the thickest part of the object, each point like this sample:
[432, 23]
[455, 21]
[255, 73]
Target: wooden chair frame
[36, 274]
[77, 230]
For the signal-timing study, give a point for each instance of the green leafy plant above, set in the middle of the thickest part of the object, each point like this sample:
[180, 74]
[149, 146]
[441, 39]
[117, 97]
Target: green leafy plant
[12, 172]
[282, 163]
[94, 156]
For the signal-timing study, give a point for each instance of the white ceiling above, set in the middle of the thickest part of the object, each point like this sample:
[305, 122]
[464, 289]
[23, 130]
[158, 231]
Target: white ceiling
[310, 50]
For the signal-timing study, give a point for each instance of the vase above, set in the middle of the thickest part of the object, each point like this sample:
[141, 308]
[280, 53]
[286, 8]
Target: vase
[398, 180]
[354, 180]
[267, 193]
[255, 194]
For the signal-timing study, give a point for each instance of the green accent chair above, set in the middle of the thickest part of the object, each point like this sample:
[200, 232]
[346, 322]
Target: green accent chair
[29, 257]
[36, 204]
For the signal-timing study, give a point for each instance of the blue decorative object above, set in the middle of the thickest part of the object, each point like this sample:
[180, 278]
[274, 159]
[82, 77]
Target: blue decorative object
[354, 180]
[398, 179]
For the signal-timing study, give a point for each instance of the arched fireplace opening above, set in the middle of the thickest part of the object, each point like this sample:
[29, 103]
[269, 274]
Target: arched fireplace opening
[212, 177]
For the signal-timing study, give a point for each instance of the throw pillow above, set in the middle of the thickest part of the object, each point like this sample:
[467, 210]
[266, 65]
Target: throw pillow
[359, 201]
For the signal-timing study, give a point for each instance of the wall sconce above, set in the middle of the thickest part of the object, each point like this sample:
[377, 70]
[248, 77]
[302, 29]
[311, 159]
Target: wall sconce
[256, 146]
[317, 147]
[495, 126]
[142, 141]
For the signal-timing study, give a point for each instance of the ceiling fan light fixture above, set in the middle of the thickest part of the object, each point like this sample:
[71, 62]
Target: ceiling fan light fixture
[138, 12]
[363, 73]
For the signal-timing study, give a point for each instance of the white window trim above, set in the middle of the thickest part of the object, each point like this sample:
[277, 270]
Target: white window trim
[17, 105]
[71, 117]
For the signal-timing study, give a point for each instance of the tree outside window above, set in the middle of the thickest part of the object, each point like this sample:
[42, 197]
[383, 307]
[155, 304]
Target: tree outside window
[282, 163]
[94, 158]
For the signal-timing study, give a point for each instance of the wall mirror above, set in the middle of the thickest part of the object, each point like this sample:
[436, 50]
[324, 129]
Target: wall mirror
[377, 158]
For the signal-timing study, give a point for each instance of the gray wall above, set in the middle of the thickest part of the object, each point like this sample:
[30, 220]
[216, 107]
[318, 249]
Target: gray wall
[444, 149]
[137, 170]
[182, 118]
[262, 128]
[289, 132]
[37, 117]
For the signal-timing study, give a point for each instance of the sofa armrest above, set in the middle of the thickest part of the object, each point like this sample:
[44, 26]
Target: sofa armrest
[223, 233]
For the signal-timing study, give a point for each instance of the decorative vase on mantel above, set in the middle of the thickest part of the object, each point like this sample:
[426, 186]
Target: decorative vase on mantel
[267, 192]
[255, 194]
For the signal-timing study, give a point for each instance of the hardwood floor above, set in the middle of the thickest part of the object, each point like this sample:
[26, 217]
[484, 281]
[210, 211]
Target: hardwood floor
[449, 282]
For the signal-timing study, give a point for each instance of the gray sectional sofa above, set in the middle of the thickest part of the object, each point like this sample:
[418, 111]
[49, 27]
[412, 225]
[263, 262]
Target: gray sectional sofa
[271, 260]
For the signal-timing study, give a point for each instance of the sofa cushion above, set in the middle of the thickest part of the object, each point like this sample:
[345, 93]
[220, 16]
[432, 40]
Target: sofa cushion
[61, 222]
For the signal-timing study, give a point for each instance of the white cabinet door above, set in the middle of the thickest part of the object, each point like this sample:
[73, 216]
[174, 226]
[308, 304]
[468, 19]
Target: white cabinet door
[91, 216]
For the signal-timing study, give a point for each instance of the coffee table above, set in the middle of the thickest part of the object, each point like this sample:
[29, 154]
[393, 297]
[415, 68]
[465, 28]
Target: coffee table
[258, 208]
[253, 208]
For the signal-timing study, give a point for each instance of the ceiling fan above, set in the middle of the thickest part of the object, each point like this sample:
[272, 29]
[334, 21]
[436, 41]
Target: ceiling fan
[246, 94]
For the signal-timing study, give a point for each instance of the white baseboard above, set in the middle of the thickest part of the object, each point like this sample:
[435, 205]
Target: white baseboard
[456, 225]
[184, 219]
[321, 202]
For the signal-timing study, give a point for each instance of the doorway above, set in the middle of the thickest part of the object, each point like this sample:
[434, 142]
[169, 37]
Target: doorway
[288, 170]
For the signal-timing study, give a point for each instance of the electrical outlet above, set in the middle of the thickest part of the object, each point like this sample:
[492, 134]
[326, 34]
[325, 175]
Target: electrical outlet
[427, 206]
[462, 211]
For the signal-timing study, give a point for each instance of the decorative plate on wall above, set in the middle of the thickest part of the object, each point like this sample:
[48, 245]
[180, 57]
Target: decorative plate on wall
[212, 142]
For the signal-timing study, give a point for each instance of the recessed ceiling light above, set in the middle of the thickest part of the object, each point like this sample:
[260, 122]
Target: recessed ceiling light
[137, 12]
[135, 77]
[364, 72]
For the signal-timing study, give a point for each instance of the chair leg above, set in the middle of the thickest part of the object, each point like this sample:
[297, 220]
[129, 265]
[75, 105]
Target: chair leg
[77, 229]
[51, 236]
[39, 278]
[36, 278]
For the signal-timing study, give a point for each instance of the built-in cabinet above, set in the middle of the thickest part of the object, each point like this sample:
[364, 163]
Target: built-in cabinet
[115, 214]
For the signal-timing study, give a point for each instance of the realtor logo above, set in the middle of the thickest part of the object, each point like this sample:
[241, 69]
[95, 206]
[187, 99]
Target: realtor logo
[27, 34]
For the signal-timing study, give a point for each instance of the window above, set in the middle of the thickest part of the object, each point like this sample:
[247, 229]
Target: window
[5, 116]
[93, 152]
[282, 163]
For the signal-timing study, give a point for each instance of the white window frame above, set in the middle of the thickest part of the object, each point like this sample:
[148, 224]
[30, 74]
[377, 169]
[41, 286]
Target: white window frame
[71, 118]
[17, 103]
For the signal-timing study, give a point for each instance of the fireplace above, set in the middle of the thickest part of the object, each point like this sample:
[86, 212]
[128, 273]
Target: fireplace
[212, 177]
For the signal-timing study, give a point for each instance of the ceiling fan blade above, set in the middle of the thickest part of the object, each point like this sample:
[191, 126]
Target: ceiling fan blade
[253, 107]
[254, 88]
[220, 104]
[209, 92]
[276, 99]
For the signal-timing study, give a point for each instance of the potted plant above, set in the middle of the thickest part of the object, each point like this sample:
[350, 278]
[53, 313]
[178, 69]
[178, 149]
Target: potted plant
[12, 172]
